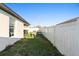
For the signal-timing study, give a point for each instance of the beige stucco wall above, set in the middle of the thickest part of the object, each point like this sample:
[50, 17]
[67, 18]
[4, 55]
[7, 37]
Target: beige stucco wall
[4, 25]
[18, 33]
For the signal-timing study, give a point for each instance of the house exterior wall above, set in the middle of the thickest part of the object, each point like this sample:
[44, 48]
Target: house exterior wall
[19, 28]
[31, 29]
[65, 37]
[5, 40]
[4, 25]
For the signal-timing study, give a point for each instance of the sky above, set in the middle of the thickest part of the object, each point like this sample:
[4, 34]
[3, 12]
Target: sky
[45, 14]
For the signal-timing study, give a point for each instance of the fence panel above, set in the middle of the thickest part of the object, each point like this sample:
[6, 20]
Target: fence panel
[65, 37]
[48, 32]
[4, 42]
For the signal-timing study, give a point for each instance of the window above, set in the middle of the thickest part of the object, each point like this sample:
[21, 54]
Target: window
[25, 32]
[11, 26]
[25, 25]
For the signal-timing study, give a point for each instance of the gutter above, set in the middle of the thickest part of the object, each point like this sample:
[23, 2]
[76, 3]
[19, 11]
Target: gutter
[8, 10]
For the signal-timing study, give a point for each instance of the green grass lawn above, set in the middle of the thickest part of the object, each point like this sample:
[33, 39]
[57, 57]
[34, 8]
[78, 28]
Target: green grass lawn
[38, 46]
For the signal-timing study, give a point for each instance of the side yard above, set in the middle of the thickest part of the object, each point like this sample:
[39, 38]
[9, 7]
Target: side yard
[33, 46]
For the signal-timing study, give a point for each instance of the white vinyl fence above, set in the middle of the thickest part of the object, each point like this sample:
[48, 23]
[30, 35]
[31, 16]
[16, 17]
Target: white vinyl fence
[5, 42]
[65, 37]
